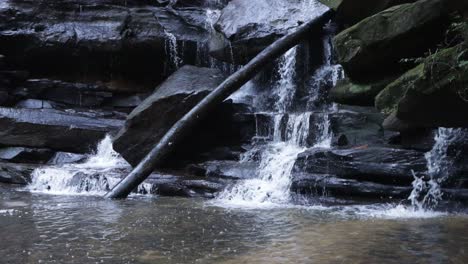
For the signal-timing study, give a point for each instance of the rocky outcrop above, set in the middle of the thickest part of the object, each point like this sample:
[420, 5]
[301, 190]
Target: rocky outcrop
[373, 48]
[170, 101]
[246, 27]
[373, 164]
[349, 12]
[54, 129]
[433, 94]
[99, 40]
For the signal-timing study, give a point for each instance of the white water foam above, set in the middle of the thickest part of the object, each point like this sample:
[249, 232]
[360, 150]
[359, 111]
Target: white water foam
[98, 174]
[427, 194]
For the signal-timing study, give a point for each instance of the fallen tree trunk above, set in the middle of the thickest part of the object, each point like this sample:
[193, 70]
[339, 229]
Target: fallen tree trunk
[166, 145]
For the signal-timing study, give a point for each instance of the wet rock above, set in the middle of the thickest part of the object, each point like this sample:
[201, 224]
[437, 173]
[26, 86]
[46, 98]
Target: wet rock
[246, 27]
[60, 158]
[359, 125]
[373, 48]
[346, 92]
[74, 94]
[26, 155]
[225, 169]
[373, 164]
[170, 185]
[350, 12]
[54, 129]
[97, 40]
[431, 95]
[329, 185]
[16, 173]
[147, 123]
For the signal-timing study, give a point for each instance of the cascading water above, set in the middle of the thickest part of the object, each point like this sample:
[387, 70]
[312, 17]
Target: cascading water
[171, 49]
[100, 172]
[290, 136]
[427, 194]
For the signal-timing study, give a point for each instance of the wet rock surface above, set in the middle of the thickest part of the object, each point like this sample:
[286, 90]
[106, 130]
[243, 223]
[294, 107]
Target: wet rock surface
[381, 165]
[16, 173]
[246, 27]
[59, 130]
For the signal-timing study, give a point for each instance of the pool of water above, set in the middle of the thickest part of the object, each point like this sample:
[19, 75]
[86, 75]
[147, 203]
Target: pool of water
[40, 228]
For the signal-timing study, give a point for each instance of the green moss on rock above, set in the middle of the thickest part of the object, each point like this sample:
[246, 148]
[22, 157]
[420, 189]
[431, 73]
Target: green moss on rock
[373, 48]
[433, 94]
[347, 92]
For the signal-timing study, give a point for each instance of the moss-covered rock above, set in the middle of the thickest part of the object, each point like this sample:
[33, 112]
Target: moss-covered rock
[349, 12]
[433, 94]
[373, 48]
[347, 92]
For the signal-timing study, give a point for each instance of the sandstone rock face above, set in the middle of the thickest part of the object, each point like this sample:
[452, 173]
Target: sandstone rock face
[156, 115]
[373, 48]
[246, 27]
[98, 40]
[433, 94]
[54, 129]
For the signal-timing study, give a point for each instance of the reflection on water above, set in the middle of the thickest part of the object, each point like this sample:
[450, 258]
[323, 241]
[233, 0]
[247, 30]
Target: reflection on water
[37, 228]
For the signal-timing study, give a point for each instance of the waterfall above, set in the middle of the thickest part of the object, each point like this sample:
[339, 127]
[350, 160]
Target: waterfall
[98, 174]
[290, 136]
[427, 194]
[171, 49]
[285, 88]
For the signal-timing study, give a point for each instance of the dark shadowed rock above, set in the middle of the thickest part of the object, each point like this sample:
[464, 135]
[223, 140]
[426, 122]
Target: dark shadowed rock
[74, 94]
[26, 155]
[349, 12]
[246, 27]
[169, 185]
[16, 173]
[374, 164]
[147, 123]
[373, 48]
[58, 130]
[329, 185]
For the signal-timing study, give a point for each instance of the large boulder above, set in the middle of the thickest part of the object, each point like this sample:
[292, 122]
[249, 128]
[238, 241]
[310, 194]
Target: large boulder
[433, 94]
[99, 40]
[147, 123]
[54, 129]
[349, 12]
[246, 27]
[373, 48]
